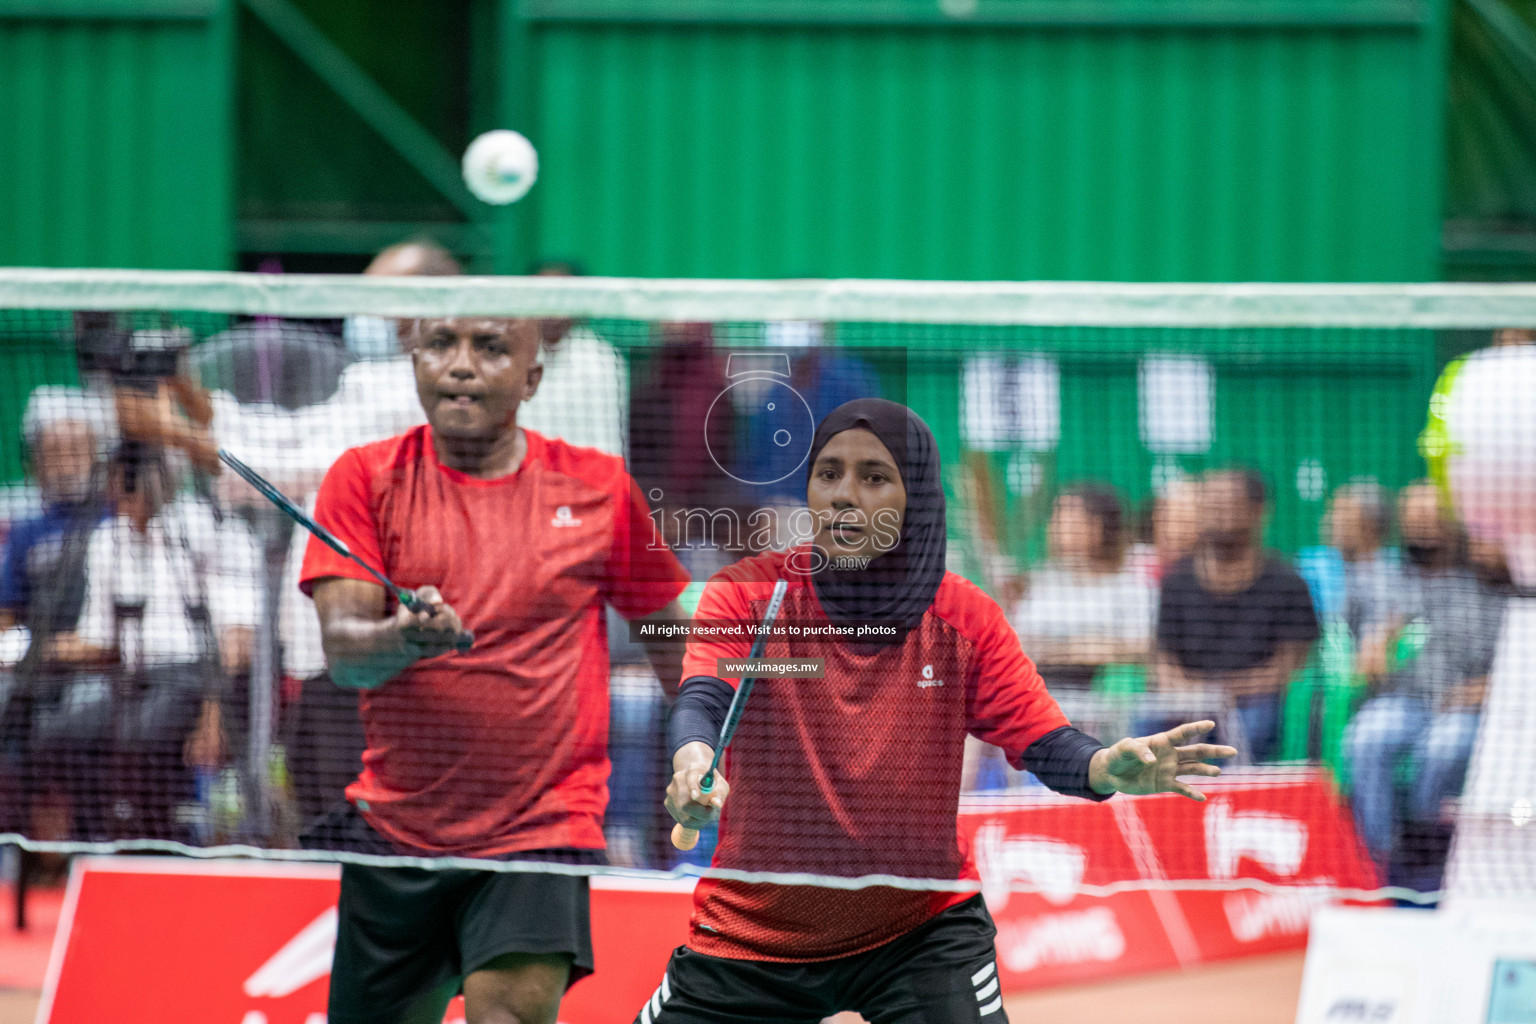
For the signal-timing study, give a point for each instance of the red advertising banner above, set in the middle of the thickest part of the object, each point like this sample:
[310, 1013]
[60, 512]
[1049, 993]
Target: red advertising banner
[174, 941]
[1282, 827]
[171, 941]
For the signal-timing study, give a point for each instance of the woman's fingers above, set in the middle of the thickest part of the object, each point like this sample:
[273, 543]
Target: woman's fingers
[1185, 790]
[1130, 754]
[1205, 752]
[1181, 734]
[1209, 771]
[688, 804]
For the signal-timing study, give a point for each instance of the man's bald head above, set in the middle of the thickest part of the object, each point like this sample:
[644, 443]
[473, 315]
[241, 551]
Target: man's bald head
[414, 259]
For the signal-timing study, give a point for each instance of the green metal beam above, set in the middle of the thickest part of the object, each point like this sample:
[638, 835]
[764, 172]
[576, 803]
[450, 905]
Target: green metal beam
[516, 226]
[109, 10]
[357, 236]
[419, 147]
[1513, 34]
[1033, 13]
[1474, 243]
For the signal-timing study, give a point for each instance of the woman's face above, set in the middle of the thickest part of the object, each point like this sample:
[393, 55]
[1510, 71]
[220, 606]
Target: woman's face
[1176, 526]
[1073, 533]
[856, 496]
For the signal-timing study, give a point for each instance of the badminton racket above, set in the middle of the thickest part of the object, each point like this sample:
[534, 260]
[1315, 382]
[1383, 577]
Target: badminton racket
[683, 837]
[463, 641]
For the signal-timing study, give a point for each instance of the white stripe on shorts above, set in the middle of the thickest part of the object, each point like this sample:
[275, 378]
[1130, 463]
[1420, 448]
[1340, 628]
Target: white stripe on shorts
[986, 990]
[985, 973]
[652, 1008]
[992, 1007]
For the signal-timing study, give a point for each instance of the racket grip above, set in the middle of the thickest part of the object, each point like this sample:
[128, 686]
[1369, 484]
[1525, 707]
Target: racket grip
[684, 838]
[461, 642]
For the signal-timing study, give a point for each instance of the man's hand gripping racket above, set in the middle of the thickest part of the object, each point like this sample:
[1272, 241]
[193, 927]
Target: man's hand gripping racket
[422, 612]
[711, 788]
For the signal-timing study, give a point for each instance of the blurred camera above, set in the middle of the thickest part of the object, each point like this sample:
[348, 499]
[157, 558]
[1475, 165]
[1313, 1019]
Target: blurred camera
[135, 358]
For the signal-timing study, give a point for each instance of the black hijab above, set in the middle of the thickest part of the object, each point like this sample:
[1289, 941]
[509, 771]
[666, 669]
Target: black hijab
[898, 586]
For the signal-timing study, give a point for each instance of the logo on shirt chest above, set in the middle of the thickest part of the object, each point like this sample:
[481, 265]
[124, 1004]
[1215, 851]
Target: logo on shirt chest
[927, 681]
[563, 518]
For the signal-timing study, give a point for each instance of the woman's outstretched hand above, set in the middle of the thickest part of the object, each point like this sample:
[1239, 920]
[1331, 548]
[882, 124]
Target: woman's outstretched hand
[1154, 764]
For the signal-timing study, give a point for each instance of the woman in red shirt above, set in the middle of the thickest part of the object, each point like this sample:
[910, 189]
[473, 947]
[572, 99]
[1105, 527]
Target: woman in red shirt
[856, 772]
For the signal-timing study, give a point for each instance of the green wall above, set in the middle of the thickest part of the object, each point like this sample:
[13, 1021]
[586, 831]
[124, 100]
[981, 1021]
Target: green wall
[1491, 142]
[1115, 139]
[312, 173]
[115, 133]
[1178, 140]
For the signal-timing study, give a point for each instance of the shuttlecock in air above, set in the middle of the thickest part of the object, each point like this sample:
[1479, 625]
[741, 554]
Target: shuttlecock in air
[500, 167]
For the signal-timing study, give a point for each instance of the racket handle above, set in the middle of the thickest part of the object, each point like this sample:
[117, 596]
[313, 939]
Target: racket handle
[462, 642]
[684, 838]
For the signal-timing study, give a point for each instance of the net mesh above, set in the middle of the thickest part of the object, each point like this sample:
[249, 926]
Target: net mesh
[1299, 511]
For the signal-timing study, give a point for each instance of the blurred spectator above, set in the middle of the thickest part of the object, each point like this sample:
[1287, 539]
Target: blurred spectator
[1358, 524]
[171, 599]
[1172, 528]
[377, 337]
[1354, 577]
[135, 394]
[42, 589]
[1233, 619]
[1428, 667]
[584, 396]
[1085, 608]
[63, 456]
[824, 377]
[680, 438]
[374, 398]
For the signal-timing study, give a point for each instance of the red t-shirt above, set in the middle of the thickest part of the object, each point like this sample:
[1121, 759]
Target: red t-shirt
[503, 748]
[857, 773]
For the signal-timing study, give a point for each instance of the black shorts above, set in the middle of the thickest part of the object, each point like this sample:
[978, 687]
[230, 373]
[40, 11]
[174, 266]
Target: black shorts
[407, 937]
[944, 972]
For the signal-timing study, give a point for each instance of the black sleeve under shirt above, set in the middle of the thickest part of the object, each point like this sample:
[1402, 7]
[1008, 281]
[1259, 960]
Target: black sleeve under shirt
[1059, 759]
[698, 713]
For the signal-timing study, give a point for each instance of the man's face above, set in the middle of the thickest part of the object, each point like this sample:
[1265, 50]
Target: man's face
[473, 373]
[66, 452]
[856, 496]
[1227, 516]
[1422, 522]
[1346, 527]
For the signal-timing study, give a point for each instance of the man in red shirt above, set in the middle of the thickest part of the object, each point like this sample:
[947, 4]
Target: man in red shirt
[500, 751]
[857, 773]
